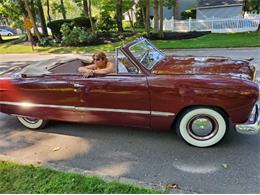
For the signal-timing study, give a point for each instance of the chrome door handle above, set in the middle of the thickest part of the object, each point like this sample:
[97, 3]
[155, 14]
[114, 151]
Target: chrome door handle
[78, 85]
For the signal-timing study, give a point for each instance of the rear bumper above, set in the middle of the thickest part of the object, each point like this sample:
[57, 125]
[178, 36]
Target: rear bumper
[251, 127]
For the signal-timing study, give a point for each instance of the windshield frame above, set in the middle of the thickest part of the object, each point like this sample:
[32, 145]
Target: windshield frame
[154, 48]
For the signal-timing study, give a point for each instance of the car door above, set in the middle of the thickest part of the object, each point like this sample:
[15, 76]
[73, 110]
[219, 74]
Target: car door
[47, 97]
[115, 100]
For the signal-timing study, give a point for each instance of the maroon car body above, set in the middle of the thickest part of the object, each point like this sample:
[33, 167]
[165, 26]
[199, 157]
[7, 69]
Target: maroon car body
[155, 95]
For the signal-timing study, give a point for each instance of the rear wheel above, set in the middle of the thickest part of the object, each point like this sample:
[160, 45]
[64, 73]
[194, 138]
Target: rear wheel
[202, 127]
[32, 123]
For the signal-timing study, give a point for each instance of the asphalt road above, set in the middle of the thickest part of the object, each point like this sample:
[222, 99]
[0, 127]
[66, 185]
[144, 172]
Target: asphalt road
[158, 158]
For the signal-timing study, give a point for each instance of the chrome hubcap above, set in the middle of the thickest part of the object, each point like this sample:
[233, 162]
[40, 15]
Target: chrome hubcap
[202, 127]
[31, 120]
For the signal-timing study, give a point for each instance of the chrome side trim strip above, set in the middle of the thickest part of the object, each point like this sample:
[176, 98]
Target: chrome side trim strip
[156, 113]
[112, 110]
[28, 105]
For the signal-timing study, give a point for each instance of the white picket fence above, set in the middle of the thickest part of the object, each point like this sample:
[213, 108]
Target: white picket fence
[251, 15]
[216, 25]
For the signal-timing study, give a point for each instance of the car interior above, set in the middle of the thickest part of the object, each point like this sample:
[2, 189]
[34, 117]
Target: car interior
[71, 65]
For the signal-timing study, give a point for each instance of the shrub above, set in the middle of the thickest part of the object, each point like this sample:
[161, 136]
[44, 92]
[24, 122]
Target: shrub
[56, 25]
[189, 13]
[81, 22]
[105, 22]
[48, 42]
[76, 36]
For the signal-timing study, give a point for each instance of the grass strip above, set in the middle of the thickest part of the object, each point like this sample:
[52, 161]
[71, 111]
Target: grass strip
[27, 179]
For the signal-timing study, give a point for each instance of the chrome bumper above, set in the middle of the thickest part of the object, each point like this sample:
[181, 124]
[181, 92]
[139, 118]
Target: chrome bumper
[251, 127]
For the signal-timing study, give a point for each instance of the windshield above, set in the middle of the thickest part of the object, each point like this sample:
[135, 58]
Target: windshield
[146, 53]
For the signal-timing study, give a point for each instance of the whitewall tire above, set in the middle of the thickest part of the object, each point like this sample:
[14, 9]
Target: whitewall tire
[32, 123]
[202, 127]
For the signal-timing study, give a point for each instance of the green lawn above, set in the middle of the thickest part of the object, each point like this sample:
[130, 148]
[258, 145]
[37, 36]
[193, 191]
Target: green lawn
[29, 179]
[5, 38]
[250, 39]
[6, 48]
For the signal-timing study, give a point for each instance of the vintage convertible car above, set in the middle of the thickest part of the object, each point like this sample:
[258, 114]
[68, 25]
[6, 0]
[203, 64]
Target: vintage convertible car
[199, 97]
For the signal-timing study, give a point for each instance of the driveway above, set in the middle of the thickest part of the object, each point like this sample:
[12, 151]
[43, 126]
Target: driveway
[152, 157]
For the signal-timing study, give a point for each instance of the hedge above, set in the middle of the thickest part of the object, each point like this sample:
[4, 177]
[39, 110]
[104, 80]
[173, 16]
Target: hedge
[55, 25]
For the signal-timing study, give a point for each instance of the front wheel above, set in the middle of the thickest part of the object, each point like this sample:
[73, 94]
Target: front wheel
[202, 127]
[32, 123]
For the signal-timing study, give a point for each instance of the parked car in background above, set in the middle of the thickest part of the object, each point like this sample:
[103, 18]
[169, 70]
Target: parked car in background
[5, 32]
[199, 97]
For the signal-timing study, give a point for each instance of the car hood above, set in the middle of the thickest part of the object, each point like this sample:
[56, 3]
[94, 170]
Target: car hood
[205, 65]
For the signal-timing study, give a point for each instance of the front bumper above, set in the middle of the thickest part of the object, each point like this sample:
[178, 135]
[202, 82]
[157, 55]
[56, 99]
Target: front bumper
[251, 127]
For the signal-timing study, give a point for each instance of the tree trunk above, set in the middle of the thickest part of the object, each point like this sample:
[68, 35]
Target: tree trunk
[155, 14]
[42, 18]
[143, 15]
[119, 16]
[85, 8]
[93, 29]
[161, 19]
[176, 9]
[29, 11]
[147, 18]
[63, 10]
[33, 9]
[131, 21]
[48, 11]
[29, 36]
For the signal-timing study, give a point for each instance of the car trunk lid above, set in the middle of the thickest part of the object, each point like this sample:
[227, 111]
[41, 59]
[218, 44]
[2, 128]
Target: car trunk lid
[205, 65]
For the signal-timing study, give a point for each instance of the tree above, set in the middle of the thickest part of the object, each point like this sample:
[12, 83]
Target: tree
[63, 10]
[30, 14]
[156, 17]
[128, 9]
[93, 29]
[48, 10]
[42, 18]
[140, 13]
[11, 13]
[119, 16]
[85, 8]
[174, 5]
[131, 20]
[161, 19]
[251, 5]
[147, 17]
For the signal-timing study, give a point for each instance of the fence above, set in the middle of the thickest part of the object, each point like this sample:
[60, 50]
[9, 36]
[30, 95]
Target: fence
[252, 15]
[217, 25]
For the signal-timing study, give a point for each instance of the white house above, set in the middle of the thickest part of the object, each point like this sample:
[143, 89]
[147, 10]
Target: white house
[219, 9]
